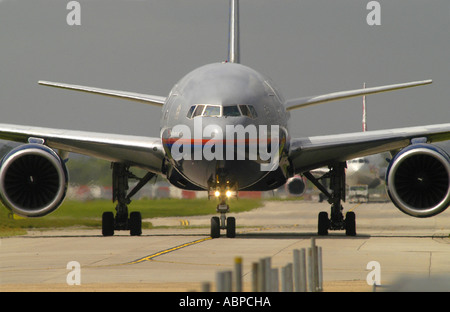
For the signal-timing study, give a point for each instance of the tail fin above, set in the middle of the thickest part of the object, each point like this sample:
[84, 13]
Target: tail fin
[233, 40]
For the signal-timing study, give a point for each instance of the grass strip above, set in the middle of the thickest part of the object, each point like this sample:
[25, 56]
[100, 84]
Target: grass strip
[88, 214]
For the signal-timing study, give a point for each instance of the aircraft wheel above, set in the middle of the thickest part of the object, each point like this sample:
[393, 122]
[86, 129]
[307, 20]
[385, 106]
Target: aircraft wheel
[135, 223]
[231, 227]
[350, 224]
[215, 227]
[108, 224]
[323, 223]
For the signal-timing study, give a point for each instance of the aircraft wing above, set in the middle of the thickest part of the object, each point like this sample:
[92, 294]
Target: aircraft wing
[143, 152]
[314, 152]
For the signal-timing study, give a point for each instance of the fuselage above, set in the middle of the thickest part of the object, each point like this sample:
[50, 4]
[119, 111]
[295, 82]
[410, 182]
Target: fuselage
[224, 125]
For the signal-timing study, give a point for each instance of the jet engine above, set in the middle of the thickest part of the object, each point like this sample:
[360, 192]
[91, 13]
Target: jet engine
[295, 186]
[33, 180]
[418, 180]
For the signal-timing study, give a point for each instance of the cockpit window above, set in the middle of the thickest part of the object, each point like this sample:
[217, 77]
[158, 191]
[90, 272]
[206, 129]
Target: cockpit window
[191, 110]
[245, 111]
[212, 111]
[199, 110]
[231, 111]
[252, 109]
[218, 111]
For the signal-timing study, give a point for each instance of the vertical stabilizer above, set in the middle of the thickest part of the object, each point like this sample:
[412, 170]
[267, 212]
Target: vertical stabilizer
[233, 40]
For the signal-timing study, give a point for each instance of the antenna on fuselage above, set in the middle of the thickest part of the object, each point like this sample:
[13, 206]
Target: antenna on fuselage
[233, 40]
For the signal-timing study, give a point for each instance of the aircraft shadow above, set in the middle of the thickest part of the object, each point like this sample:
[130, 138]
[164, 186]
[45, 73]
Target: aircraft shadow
[305, 235]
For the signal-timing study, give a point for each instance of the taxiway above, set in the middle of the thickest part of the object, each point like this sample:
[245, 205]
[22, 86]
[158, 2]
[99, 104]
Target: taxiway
[181, 256]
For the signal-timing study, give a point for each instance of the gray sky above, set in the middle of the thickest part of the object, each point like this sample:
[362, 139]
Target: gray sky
[307, 47]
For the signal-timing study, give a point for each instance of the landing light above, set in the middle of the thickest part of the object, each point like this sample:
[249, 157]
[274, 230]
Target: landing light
[217, 193]
[228, 193]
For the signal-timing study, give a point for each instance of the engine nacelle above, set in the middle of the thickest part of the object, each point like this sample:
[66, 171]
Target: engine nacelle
[33, 180]
[418, 180]
[295, 186]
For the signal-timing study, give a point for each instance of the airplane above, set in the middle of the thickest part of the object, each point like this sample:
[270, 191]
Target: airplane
[369, 170]
[224, 129]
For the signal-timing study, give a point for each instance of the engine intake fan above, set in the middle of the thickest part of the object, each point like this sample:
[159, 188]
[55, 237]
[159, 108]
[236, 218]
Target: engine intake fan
[418, 180]
[33, 180]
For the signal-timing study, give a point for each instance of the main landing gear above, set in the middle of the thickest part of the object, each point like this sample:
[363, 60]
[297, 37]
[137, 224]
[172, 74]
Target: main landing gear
[120, 221]
[223, 223]
[336, 174]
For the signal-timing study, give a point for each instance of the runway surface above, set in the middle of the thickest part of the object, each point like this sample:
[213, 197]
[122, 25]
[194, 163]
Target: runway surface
[181, 256]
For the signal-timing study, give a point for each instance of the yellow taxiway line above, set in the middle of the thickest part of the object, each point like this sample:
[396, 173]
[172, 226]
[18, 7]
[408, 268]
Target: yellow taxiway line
[150, 257]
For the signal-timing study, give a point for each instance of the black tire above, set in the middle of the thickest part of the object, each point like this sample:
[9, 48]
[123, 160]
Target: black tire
[108, 224]
[323, 223]
[231, 227]
[135, 223]
[215, 227]
[350, 224]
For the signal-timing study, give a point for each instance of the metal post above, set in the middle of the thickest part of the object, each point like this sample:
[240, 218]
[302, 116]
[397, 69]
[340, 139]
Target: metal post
[228, 280]
[206, 287]
[286, 278]
[223, 281]
[314, 264]
[268, 272]
[299, 270]
[261, 276]
[296, 273]
[302, 285]
[311, 280]
[238, 274]
[255, 277]
[274, 280]
[220, 282]
[264, 279]
[320, 271]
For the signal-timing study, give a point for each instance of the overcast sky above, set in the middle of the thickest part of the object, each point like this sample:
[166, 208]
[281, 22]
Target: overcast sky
[307, 47]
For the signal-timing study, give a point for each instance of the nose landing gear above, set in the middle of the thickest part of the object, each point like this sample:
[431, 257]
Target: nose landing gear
[224, 222]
